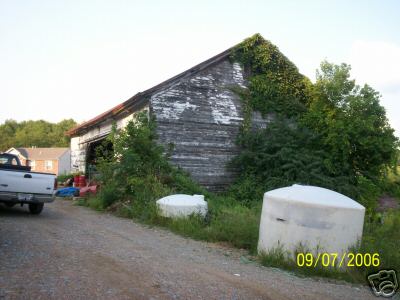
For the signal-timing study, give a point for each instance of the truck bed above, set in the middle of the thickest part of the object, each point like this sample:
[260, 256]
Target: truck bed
[26, 186]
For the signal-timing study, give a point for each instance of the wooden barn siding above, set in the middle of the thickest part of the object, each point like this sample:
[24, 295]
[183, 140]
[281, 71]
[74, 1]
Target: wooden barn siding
[201, 116]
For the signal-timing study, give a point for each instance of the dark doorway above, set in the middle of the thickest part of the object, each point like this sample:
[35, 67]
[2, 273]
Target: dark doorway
[97, 150]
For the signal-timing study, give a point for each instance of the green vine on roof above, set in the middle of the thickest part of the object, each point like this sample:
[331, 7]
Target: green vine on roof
[275, 84]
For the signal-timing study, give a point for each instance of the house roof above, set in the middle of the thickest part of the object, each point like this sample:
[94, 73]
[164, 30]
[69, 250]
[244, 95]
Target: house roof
[142, 97]
[41, 153]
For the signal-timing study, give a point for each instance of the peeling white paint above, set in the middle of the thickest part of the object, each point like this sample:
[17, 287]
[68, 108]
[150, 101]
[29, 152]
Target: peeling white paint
[223, 109]
[220, 98]
[175, 109]
[201, 79]
[190, 157]
[203, 144]
[238, 75]
[78, 155]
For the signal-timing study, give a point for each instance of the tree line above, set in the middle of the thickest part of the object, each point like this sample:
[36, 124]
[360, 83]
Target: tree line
[31, 133]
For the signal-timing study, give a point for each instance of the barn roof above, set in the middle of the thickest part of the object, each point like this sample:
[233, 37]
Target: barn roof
[140, 98]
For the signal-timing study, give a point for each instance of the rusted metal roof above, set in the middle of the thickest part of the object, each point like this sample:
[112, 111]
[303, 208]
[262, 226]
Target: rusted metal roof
[141, 98]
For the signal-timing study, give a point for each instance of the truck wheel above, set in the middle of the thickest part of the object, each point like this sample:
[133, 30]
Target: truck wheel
[35, 208]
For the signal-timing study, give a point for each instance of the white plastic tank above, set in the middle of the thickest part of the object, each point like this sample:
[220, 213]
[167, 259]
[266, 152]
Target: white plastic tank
[181, 205]
[317, 218]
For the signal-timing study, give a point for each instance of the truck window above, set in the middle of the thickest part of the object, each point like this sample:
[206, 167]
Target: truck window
[8, 159]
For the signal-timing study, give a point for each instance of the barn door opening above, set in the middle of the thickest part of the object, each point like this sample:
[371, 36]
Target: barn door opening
[96, 151]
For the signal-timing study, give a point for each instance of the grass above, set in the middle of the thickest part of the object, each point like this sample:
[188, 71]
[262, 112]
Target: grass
[226, 221]
[382, 236]
[277, 258]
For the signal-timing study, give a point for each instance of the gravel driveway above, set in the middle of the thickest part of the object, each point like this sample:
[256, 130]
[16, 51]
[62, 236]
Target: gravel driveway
[71, 252]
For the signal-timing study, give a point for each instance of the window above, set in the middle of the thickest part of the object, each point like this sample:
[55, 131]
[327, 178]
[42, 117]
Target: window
[6, 159]
[48, 164]
[32, 163]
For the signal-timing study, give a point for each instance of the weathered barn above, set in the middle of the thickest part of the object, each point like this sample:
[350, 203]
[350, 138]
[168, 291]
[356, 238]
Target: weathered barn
[196, 110]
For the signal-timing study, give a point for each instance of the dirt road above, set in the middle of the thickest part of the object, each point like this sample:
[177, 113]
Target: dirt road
[71, 252]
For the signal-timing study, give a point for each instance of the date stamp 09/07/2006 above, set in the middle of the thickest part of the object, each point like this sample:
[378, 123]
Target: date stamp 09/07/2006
[383, 283]
[347, 259]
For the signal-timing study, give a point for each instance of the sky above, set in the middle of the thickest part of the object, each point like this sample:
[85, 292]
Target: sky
[77, 59]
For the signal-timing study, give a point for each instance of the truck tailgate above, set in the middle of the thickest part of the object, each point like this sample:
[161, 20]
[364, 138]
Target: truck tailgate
[26, 182]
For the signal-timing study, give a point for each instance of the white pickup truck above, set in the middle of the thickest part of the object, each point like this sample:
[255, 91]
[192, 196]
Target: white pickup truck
[18, 185]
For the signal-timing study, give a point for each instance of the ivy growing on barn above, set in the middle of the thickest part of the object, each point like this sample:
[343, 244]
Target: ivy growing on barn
[275, 84]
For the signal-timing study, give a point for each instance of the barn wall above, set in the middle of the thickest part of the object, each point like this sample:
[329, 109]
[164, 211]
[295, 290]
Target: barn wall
[201, 116]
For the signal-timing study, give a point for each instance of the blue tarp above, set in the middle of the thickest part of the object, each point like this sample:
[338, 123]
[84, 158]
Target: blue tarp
[67, 192]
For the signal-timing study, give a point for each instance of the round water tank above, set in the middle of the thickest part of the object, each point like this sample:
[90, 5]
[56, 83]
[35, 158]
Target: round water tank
[181, 205]
[314, 217]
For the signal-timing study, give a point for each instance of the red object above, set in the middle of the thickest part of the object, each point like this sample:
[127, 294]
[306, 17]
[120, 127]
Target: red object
[88, 190]
[76, 181]
[82, 181]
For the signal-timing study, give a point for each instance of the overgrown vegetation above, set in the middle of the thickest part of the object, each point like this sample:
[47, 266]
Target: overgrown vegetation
[332, 134]
[34, 133]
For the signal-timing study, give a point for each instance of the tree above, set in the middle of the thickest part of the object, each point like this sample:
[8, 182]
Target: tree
[7, 133]
[351, 123]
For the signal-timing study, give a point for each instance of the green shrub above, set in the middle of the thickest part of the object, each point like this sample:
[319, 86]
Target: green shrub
[390, 183]
[281, 155]
[247, 190]
[368, 193]
[95, 203]
[182, 182]
[108, 194]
